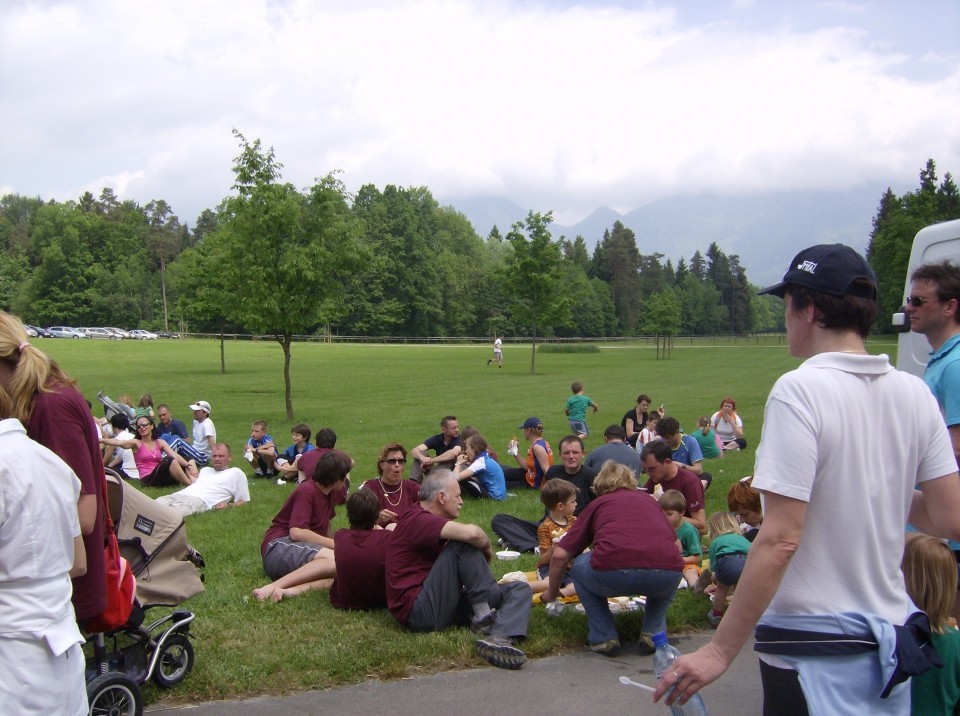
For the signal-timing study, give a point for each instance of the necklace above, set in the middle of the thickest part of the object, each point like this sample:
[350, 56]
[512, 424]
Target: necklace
[398, 492]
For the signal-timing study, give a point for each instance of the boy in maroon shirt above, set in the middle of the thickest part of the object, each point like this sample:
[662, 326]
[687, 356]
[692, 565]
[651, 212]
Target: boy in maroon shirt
[361, 556]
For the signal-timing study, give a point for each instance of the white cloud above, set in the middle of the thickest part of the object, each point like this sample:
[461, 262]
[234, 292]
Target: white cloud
[554, 106]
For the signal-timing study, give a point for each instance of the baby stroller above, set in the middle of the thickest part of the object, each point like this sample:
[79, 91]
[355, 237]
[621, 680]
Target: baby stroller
[111, 407]
[153, 540]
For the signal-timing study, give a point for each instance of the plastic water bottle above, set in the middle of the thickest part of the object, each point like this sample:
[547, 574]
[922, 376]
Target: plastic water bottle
[663, 659]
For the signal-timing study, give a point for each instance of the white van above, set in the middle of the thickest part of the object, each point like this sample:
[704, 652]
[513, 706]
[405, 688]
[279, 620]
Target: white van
[934, 243]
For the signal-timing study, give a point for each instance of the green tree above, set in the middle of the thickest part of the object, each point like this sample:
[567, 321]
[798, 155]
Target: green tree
[279, 258]
[617, 261]
[534, 277]
[661, 318]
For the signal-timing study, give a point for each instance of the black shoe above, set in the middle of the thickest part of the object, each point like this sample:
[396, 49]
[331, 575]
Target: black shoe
[489, 361]
[195, 557]
[645, 647]
[500, 651]
[484, 625]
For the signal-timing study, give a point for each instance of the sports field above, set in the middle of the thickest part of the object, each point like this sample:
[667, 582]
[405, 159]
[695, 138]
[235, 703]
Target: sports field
[371, 395]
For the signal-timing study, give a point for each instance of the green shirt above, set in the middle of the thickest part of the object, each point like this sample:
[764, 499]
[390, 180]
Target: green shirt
[689, 540]
[722, 545]
[577, 406]
[937, 692]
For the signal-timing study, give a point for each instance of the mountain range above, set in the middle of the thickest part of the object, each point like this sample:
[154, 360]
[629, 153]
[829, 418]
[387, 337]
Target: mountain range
[765, 230]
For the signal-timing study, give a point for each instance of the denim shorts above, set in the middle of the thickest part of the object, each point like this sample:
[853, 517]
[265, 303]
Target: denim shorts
[579, 427]
[729, 567]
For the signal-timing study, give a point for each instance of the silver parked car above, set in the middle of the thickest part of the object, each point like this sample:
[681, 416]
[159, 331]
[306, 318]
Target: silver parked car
[65, 332]
[101, 334]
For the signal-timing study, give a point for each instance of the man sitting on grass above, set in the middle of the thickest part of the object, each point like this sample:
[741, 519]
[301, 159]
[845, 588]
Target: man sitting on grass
[216, 487]
[297, 549]
[438, 576]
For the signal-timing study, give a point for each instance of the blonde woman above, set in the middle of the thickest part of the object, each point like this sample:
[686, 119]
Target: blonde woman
[46, 401]
[635, 551]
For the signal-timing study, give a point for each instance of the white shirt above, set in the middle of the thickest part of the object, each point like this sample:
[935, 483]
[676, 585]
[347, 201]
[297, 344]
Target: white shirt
[826, 441]
[215, 487]
[200, 433]
[38, 522]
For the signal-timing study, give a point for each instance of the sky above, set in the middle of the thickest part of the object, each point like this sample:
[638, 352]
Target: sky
[558, 106]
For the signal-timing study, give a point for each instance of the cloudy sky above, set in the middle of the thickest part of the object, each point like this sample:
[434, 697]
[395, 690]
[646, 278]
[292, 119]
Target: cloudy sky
[553, 105]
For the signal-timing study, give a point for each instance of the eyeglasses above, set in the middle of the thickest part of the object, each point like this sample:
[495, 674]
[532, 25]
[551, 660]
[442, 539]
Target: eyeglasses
[144, 425]
[395, 460]
[917, 301]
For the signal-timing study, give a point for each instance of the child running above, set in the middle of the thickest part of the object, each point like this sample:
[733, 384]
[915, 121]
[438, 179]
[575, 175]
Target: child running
[560, 498]
[930, 572]
[674, 504]
[576, 410]
[728, 554]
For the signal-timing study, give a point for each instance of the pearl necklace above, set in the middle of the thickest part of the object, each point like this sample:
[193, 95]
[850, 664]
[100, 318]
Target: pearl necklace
[398, 492]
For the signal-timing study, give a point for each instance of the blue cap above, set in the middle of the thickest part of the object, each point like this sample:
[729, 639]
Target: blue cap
[660, 639]
[833, 269]
[531, 424]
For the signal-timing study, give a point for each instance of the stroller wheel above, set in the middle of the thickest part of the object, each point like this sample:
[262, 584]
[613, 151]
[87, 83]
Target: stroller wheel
[114, 694]
[174, 661]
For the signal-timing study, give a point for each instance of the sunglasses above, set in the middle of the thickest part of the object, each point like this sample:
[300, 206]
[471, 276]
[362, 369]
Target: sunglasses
[917, 301]
[144, 425]
[395, 460]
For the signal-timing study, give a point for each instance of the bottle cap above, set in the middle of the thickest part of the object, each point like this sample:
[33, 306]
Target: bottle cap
[660, 639]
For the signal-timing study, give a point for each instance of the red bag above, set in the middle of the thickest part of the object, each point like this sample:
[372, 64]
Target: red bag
[121, 584]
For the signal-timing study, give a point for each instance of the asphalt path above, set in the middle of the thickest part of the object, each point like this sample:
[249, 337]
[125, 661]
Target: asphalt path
[577, 683]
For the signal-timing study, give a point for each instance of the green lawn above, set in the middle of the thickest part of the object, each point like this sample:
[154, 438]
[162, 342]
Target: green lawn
[371, 395]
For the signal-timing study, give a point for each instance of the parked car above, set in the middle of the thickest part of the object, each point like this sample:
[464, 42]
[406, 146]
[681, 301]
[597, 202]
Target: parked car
[31, 332]
[142, 335]
[42, 332]
[65, 332]
[119, 332]
[101, 334]
[167, 334]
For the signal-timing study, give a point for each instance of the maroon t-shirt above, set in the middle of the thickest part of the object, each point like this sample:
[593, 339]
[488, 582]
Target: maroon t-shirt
[398, 502]
[62, 422]
[415, 546]
[627, 530]
[361, 581]
[686, 482]
[308, 461]
[306, 508]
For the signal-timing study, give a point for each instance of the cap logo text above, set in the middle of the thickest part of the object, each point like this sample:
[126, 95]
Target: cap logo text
[808, 266]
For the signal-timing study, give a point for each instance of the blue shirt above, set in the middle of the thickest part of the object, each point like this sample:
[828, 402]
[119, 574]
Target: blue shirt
[942, 376]
[175, 428]
[688, 452]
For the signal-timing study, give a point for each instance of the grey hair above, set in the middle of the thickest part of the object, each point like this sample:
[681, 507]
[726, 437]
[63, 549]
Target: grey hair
[434, 483]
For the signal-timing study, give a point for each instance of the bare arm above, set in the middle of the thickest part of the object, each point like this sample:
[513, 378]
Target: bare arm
[954, 431]
[87, 511]
[471, 534]
[169, 452]
[299, 534]
[420, 453]
[116, 442]
[935, 508]
[766, 564]
[696, 468]
[79, 567]
[698, 519]
[449, 455]
[540, 455]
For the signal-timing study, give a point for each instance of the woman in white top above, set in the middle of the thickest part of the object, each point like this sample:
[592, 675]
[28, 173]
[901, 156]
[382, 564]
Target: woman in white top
[728, 425]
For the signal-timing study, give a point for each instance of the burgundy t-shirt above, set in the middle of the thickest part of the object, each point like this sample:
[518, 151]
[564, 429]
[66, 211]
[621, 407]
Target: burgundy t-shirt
[415, 546]
[62, 422]
[686, 482]
[405, 498]
[627, 530]
[361, 581]
[306, 508]
[308, 461]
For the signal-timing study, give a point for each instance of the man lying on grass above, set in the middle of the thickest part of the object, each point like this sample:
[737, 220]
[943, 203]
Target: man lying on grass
[297, 549]
[438, 576]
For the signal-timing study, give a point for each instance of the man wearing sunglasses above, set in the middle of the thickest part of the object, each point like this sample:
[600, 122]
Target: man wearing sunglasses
[933, 310]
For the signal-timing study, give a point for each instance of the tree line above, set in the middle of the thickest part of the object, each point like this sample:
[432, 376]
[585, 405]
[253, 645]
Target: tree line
[275, 259]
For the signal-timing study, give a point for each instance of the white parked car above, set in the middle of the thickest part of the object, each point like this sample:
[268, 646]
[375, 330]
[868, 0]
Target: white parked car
[143, 335]
[119, 332]
[31, 332]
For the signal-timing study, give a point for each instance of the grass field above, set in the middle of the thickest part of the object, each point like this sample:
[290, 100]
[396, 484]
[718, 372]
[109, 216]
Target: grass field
[372, 395]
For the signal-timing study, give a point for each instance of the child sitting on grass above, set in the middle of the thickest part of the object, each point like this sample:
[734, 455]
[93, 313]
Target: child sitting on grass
[560, 498]
[728, 554]
[261, 451]
[144, 408]
[706, 436]
[287, 462]
[576, 410]
[649, 433]
[674, 504]
[930, 572]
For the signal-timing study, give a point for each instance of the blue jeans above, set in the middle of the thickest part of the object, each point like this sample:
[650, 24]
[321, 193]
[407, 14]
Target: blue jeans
[659, 586]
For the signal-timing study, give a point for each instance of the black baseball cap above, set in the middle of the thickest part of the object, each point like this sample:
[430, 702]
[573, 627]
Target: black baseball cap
[833, 269]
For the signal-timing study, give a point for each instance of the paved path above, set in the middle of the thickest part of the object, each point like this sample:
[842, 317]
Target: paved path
[577, 683]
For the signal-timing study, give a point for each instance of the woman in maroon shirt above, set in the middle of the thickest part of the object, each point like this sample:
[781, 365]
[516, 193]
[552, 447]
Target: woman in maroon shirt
[57, 416]
[635, 551]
